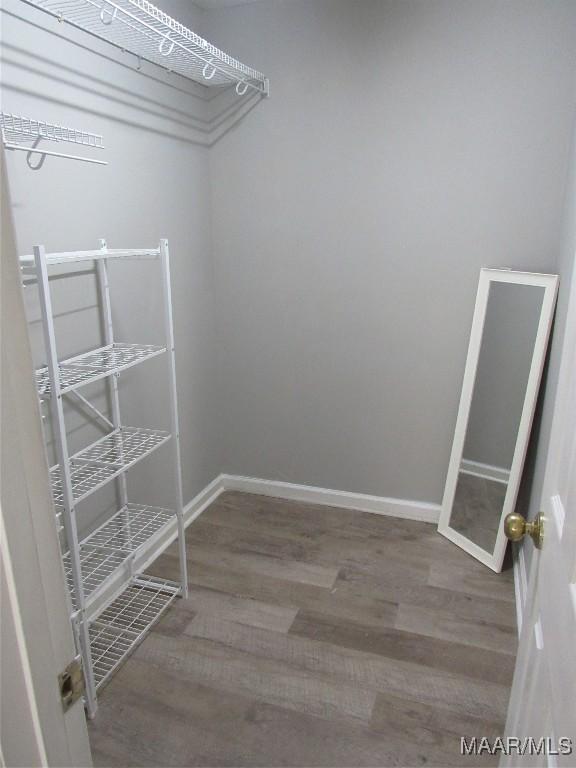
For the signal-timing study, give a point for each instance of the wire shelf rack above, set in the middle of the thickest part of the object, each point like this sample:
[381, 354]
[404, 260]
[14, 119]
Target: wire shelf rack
[25, 133]
[124, 623]
[147, 32]
[101, 565]
[131, 527]
[91, 366]
[97, 565]
[112, 544]
[104, 460]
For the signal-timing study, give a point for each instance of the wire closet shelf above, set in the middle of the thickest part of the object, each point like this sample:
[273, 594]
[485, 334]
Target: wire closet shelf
[104, 460]
[144, 30]
[24, 134]
[114, 543]
[96, 364]
[122, 626]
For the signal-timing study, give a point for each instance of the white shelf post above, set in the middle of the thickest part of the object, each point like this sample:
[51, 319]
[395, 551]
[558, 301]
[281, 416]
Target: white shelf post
[69, 511]
[169, 336]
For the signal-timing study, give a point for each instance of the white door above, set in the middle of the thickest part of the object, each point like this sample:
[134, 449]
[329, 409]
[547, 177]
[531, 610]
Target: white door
[35, 633]
[543, 698]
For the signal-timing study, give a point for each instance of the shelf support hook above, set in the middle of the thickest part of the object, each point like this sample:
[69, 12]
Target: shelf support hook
[31, 153]
[208, 73]
[107, 16]
[241, 87]
[161, 49]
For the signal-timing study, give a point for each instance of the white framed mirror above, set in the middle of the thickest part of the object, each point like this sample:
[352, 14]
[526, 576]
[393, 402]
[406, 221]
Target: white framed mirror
[510, 331]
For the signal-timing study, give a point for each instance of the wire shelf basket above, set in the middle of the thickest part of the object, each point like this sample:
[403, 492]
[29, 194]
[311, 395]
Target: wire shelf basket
[147, 32]
[97, 565]
[96, 364]
[131, 527]
[104, 460]
[124, 623]
[113, 543]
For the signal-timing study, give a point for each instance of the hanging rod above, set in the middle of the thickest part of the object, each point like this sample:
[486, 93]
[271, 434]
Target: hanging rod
[23, 134]
[148, 33]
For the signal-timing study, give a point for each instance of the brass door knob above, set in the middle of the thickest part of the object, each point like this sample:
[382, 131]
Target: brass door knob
[516, 527]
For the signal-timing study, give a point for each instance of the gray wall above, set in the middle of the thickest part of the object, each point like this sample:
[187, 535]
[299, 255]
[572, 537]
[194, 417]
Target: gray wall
[510, 327]
[155, 185]
[405, 145]
[326, 250]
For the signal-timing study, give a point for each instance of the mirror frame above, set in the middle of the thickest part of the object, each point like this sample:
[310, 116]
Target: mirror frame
[549, 283]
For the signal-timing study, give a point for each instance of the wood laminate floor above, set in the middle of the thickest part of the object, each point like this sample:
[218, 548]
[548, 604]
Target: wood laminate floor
[314, 636]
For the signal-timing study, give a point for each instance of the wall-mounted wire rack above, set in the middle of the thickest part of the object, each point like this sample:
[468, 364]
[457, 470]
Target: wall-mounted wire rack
[23, 134]
[147, 32]
[113, 602]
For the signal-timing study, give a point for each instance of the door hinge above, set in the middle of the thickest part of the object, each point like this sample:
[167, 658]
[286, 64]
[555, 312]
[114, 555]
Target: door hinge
[71, 683]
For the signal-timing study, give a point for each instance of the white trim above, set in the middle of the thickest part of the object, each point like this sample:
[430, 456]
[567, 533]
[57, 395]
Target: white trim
[30, 535]
[378, 505]
[191, 511]
[12, 597]
[202, 500]
[487, 471]
[421, 511]
[520, 582]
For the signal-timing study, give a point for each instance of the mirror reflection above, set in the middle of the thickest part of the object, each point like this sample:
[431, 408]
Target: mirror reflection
[506, 351]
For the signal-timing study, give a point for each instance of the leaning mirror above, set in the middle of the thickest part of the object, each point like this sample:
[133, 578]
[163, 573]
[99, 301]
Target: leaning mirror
[510, 331]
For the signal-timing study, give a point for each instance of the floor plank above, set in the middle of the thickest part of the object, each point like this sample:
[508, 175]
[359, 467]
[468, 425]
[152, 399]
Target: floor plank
[331, 548]
[244, 610]
[265, 565]
[472, 579]
[194, 725]
[377, 611]
[497, 607]
[430, 726]
[406, 646]
[367, 671]
[445, 626]
[314, 636]
[202, 661]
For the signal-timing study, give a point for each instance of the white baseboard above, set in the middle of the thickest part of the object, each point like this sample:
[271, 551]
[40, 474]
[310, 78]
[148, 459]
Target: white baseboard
[488, 471]
[520, 582]
[202, 500]
[379, 505]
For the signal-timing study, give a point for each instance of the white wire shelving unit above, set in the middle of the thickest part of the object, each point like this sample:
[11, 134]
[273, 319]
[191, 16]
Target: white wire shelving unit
[114, 602]
[23, 134]
[146, 31]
